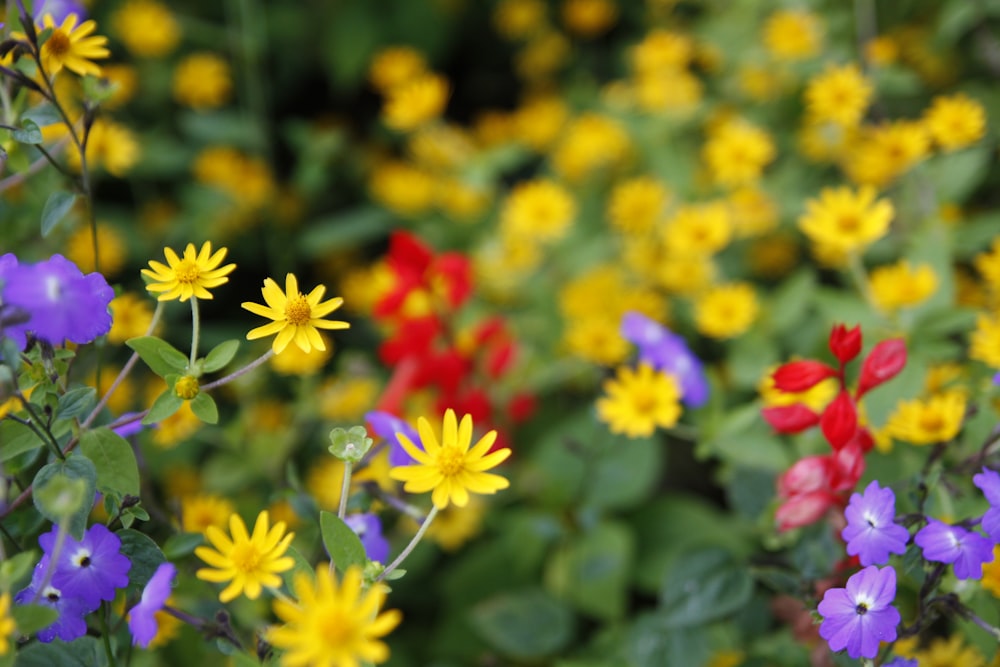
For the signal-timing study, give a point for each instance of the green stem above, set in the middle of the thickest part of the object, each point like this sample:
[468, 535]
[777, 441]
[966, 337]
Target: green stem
[241, 372]
[345, 490]
[409, 547]
[106, 634]
[37, 424]
[195, 329]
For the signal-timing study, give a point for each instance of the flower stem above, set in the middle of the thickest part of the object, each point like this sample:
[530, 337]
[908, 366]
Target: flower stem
[195, 329]
[106, 635]
[345, 490]
[241, 372]
[409, 547]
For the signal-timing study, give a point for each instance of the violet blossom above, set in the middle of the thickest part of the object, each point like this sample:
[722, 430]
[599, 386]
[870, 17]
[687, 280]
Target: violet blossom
[142, 619]
[93, 568]
[966, 550]
[387, 425]
[369, 529]
[989, 482]
[861, 616]
[871, 532]
[667, 352]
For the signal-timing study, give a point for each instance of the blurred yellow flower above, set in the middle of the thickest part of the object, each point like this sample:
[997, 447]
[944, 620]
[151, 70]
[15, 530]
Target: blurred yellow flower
[402, 187]
[442, 147]
[662, 50]
[883, 152]
[985, 342]
[415, 103]
[125, 394]
[753, 212]
[596, 339]
[636, 205]
[294, 361]
[845, 220]
[840, 95]
[991, 573]
[592, 141]
[7, 624]
[589, 18]
[246, 562]
[637, 401]
[928, 421]
[131, 316]
[147, 28]
[395, 65]
[189, 276]
[698, 229]
[761, 83]
[539, 121]
[988, 265]
[347, 398]
[773, 256]
[111, 249]
[461, 201]
[726, 311]
[123, 80]
[737, 152]
[72, 46]
[902, 285]
[540, 210]
[296, 317]
[685, 274]
[454, 526]
[882, 50]
[950, 652]
[955, 121]
[110, 145]
[671, 91]
[176, 428]
[202, 80]
[793, 34]
[199, 511]
[518, 19]
[825, 141]
[542, 56]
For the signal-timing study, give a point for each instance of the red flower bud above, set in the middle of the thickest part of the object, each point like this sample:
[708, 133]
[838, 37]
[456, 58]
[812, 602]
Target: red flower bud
[797, 376]
[845, 343]
[808, 474]
[847, 466]
[790, 418]
[840, 420]
[883, 363]
[804, 509]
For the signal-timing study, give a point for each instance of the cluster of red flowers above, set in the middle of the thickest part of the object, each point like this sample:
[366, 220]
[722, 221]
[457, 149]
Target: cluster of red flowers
[425, 348]
[815, 484]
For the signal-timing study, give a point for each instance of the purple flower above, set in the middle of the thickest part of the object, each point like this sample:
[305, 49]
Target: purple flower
[69, 625]
[142, 618]
[860, 616]
[91, 569]
[387, 426]
[130, 428]
[61, 302]
[871, 532]
[369, 529]
[953, 544]
[989, 482]
[60, 9]
[667, 352]
[901, 662]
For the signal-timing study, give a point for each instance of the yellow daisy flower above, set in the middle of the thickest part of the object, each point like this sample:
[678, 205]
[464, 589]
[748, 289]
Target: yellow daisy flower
[72, 46]
[726, 311]
[7, 624]
[638, 400]
[539, 210]
[926, 422]
[248, 562]
[839, 95]
[635, 206]
[296, 316]
[450, 468]
[791, 35]
[955, 122]
[846, 221]
[201, 510]
[334, 624]
[130, 317]
[188, 276]
[411, 105]
[984, 345]
[902, 285]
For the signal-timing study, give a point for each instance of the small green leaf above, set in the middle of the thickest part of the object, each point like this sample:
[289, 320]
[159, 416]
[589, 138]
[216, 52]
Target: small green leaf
[31, 618]
[16, 438]
[182, 544]
[702, 586]
[350, 445]
[145, 556]
[204, 408]
[174, 358]
[527, 625]
[43, 114]
[16, 568]
[117, 470]
[76, 402]
[64, 491]
[593, 570]
[56, 207]
[220, 355]
[150, 350]
[165, 405]
[29, 132]
[301, 565]
[82, 652]
[342, 543]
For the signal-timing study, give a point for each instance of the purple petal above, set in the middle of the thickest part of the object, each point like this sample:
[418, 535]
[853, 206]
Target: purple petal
[387, 425]
[142, 619]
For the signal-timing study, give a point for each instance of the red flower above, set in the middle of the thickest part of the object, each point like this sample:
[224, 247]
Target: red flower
[415, 267]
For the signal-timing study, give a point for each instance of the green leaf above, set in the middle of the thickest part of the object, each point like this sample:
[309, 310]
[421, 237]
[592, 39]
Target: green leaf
[145, 556]
[204, 408]
[652, 643]
[165, 405]
[117, 470]
[625, 473]
[301, 565]
[76, 402]
[31, 618]
[703, 586]
[174, 358]
[220, 355]
[344, 230]
[182, 544]
[29, 132]
[56, 207]
[43, 114]
[592, 571]
[351, 444]
[16, 438]
[149, 349]
[342, 543]
[64, 491]
[16, 568]
[82, 652]
[527, 625]
[955, 175]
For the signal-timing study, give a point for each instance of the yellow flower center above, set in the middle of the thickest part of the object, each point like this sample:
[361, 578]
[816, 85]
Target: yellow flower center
[245, 557]
[451, 460]
[931, 422]
[644, 402]
[337, 628]
[58, 43]
[186, 387]
[848, 223]
[297, 310]
[187, 271]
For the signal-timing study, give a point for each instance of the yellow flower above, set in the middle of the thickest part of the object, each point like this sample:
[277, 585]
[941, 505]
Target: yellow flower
[72, 46]
[845, 220]
[669, 91]
[123, 399]
[882, 50]
[441, 147]
[296, 316]
[991, 573]
[880, 154]
[462, 201]
[793, 35]
[635, 206]
[176, 428]
[825, 141]
[248, 562]
[839, 95]
[985, 342]
[7, 624]
[450, 468]
[726, 311]
[123, 81]
[454, 526]
[901, 285]
[760, 83]
[331, 624]
[698, 229]
[926, 422]
[110, 145]
[589, 18]
[752, 211]
[662, 50]
[402, 187]
[592, 141]
[539, 121]
[988, 265]
[347, 398]
[147, 28]
[737, 152]
[394, 66]
[518, 19]
[111, 249]
[202, 81]
[130, 317]
[542, 56]
[950, 652]
[685, 274]
[415, 103]
[539, 210]
[246, 179]
[773, 256]
[294, 361]
[955, 122]
[199, 511]
[190, 276]
[638, 400]
[726, 658]
[596, 339]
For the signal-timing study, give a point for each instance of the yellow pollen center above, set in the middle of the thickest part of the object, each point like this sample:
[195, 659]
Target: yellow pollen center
[186, 387]
[187, 271]
[245, 558]
[451, 460]
[848, 223]
[931, 422]
[644, 402]
[58, 43]
[297, 310]
[337, 629]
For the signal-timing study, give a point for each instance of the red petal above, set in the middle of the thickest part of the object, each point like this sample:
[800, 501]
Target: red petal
[797, 376]
[847, 467]
[808, 474]
[845, 343]
[790, 418]
[804, 509]
[840, 420]
[883, 363]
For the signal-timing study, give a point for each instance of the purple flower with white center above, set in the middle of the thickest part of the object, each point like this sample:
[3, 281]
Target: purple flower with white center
[387, 426]
[369, 529]
[62, 303]
[667, 352]
[871, 532]
[69, 625]
[860, 616]
[965, 549]
[989, 482]
[142, 619]
[91, 569]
